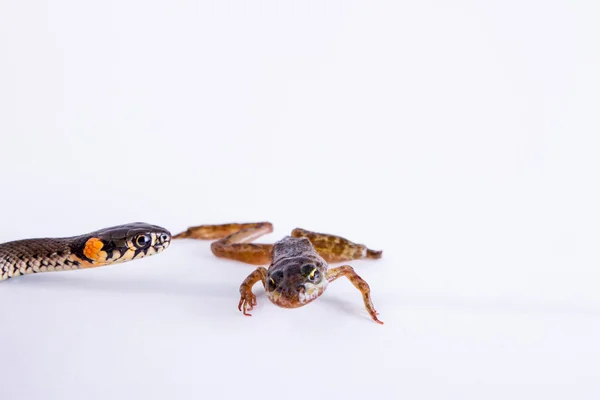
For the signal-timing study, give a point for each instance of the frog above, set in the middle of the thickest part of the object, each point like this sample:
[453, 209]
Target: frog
[297, 271]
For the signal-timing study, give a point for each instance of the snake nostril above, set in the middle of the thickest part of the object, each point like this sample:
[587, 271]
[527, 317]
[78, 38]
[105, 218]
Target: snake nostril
[301, 288]
[164, 237]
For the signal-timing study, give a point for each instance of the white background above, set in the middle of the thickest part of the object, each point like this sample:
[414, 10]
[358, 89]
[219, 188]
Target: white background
[459, 137]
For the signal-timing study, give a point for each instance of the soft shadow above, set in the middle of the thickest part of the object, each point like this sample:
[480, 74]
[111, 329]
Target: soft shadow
[345, 307]
[130, 285]
[495, 305]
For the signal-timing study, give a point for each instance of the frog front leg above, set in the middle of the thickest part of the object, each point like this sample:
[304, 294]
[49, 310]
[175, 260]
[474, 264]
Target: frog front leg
[248, 299]
[358, 283]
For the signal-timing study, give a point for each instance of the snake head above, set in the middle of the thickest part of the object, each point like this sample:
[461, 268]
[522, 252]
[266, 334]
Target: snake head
[125, 242]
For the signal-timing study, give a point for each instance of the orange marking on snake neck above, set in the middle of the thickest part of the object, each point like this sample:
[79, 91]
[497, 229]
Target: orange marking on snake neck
[92, 248]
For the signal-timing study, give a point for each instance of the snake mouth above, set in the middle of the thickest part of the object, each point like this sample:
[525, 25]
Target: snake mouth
[162, 241]
[161, 246]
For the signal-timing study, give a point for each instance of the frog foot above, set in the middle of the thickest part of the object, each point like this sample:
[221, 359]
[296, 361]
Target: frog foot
[247, 303]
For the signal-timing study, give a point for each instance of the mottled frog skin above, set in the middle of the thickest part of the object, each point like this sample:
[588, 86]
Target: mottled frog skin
[297, 275]
[298, 269]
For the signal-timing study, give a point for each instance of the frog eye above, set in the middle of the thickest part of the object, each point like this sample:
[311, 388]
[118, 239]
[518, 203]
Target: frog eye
[274, 279]
[307, 269]
[310, 271]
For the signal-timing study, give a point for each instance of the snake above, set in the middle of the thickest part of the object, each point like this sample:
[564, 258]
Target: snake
[107, 246]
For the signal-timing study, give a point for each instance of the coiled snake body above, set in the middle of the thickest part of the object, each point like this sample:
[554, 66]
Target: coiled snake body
[107, 246]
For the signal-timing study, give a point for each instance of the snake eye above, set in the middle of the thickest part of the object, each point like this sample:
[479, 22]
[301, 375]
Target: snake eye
[143, 240]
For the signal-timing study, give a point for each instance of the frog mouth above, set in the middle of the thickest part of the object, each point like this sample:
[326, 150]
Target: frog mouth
[308, 295]
[311, 292]
[302, 295]
[282, 299]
